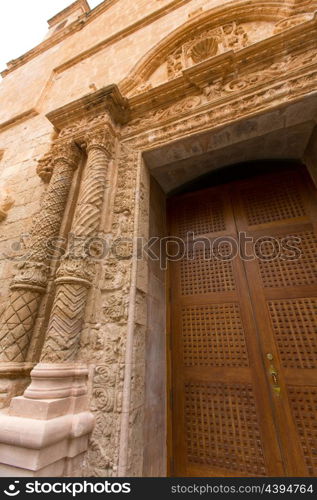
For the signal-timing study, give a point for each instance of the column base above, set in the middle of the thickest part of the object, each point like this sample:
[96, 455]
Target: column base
[47, 436]
[66, 467]
[14, 378]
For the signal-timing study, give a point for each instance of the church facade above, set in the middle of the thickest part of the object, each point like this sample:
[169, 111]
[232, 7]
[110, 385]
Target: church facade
[158, 163]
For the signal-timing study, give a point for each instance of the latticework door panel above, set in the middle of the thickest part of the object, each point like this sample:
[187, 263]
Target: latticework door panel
[228, 314]
[283, 287]
[222, 427]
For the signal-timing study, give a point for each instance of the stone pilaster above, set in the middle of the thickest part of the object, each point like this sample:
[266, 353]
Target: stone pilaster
[29, 284]
[76, 272]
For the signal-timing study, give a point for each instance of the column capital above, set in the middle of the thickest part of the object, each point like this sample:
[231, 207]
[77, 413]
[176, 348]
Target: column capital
[31, 276]
[67, 151]
[76, 271]
[101, 138]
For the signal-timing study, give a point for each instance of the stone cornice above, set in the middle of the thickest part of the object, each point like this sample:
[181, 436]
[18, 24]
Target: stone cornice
[107, 101]
[199, 116]
[18, 119]
[83, 4]
[78, 25]
[57, 37]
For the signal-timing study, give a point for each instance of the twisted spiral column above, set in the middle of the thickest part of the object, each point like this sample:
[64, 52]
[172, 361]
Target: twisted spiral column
[75, 275]
[30, 282]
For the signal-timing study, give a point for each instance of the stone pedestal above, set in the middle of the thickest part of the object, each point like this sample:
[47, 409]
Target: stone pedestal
[45, 432]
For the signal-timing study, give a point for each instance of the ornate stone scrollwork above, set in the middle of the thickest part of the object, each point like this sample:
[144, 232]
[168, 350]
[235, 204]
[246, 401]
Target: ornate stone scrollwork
[291, 22]
[32, 276]
[206, 44]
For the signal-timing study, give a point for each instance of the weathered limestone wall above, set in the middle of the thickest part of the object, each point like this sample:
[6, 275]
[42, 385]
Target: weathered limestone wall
[55, 77]
[103, 50]
[23, 145]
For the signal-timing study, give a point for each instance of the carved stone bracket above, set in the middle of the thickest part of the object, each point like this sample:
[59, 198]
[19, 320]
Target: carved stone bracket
[44, 168]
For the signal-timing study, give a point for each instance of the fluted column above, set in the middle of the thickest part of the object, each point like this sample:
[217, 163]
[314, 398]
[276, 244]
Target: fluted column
[76, 271]
[30, 281]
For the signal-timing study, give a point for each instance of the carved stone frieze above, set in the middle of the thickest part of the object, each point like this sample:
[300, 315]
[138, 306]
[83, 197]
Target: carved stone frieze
[76, 270]
[101, 138]
[225, 89]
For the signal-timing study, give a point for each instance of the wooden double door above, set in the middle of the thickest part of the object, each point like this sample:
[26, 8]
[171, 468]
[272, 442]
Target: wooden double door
[243, 320]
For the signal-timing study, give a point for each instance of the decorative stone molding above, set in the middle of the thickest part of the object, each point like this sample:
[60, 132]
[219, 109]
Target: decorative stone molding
[207, 44]
[30, 282]
[286, 24]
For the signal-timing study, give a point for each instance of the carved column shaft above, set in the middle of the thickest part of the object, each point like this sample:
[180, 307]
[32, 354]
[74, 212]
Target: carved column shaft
[75, 274]
[30, 282]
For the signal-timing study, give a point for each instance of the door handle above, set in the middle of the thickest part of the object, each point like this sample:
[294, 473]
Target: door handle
[274, 375]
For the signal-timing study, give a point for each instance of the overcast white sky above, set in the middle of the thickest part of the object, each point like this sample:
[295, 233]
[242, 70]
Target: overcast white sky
[23, 24]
